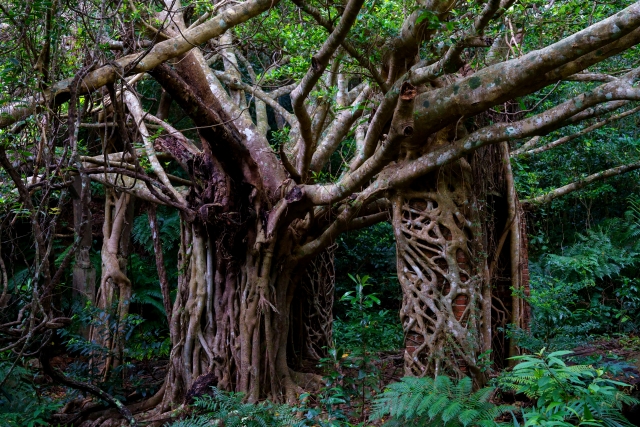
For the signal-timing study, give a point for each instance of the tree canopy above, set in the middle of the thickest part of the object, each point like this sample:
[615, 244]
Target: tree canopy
[237, 140]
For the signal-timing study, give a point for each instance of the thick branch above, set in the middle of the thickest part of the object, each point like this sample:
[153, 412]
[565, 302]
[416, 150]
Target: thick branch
[402, 128]
[218, 129]
[192, 69]
[523, 75]
[415, 30]
[402, 174]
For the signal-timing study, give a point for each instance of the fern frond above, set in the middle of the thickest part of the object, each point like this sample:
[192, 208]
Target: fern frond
[436, 402]
[426, 403]
[451, 411]
[481, 396]
[438, 406]
[467, 416]
[463, 388]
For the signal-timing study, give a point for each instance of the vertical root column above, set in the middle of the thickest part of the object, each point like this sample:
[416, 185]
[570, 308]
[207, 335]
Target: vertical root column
[192, 321]
[114, 293]
[313, 324]
[439, 274]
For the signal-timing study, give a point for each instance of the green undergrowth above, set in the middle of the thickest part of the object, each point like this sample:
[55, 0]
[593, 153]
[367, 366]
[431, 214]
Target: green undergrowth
[555, 393]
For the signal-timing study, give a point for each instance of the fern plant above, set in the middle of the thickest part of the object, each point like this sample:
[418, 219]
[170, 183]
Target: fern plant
[439, 402]
[566, 395]
[229, 410]
[168, 225]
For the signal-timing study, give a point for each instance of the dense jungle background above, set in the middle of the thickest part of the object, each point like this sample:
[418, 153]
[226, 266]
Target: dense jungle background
[319, 213]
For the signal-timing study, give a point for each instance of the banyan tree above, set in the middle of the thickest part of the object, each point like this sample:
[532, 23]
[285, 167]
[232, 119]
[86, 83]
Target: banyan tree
[271, 127]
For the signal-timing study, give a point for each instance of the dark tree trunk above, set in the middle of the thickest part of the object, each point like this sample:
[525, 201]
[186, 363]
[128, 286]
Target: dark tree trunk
[232, 312]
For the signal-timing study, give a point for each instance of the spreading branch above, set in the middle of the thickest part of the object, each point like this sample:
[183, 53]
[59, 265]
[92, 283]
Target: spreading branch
[577, 185]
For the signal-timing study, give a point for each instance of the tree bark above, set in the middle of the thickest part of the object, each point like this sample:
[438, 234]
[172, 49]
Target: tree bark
[84, 273]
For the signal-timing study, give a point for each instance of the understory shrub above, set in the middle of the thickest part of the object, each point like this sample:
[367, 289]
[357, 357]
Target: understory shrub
[20, 403]
[565, 395]
[597, 279]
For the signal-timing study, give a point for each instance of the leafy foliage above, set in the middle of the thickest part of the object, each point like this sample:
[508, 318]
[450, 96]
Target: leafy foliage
[20, 403]
[441, 402]
[168, 224]
[368, 252]
[566, 395]
[142, 337]
[364, 326]
[142, 269]
[596, 278]
[352, 369]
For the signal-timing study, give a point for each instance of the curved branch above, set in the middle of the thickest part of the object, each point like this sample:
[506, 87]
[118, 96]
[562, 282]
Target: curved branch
[281, 91]
[351, 50]
[402, 128]
[403, 173]
[86, 387]
[338, 130]
[574, 186]
[267, 98]
[99, 160]
[186, 143]
[415, 30]
[526, 74]
[133, 183]
[586, 114]
[135, 108]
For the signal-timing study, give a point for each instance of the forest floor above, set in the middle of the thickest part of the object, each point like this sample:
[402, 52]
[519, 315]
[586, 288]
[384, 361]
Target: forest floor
[355, 379]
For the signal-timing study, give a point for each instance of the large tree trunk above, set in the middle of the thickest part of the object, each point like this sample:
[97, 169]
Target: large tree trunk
[312, 314]
[441, 271]
[231, 314]
[461, 249]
